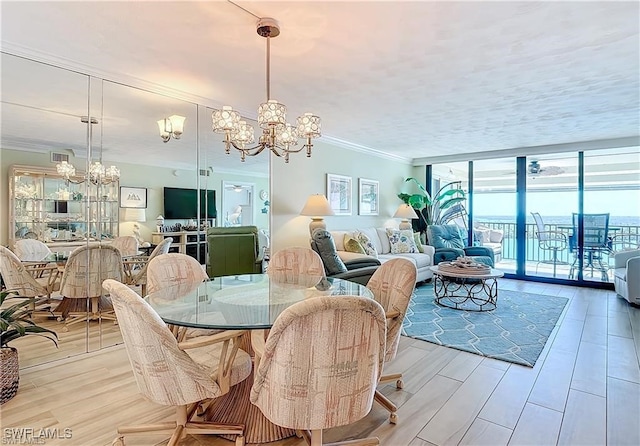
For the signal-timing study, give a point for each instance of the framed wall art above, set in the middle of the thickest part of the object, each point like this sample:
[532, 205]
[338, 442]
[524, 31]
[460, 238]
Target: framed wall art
[368, 197]
[339, 193]
[133, 197]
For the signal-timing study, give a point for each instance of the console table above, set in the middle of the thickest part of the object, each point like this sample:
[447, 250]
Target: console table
[191, 243]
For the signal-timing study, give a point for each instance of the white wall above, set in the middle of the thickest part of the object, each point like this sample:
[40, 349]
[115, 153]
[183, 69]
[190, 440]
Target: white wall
[291, 185]
[132, 175]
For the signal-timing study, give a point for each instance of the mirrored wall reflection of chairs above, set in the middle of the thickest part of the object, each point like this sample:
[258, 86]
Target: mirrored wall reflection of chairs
[18, 277]
[135, 268]
[551, 241]
[596, 245]
[83, 298]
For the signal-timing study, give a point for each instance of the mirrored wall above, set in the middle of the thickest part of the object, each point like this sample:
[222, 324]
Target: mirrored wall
[43, 107]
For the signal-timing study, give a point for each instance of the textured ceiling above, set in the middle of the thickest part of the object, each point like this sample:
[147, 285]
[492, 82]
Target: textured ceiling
[414, 79]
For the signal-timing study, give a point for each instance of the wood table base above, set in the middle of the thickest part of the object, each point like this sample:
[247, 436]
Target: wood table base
[235, 408]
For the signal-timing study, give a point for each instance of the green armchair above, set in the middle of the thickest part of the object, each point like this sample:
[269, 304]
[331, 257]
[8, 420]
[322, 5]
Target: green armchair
[234, 250]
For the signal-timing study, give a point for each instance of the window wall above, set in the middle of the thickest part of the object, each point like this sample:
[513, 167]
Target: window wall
[587, 205]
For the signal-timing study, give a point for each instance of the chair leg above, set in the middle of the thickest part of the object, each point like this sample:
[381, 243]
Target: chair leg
[387, 404]
[316, 437]
[391, 377]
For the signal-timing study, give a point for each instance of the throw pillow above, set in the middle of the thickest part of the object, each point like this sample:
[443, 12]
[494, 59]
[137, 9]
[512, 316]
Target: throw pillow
[353, 245]
[402, 241]
[322, 243]
[367, 244]
[416, 238]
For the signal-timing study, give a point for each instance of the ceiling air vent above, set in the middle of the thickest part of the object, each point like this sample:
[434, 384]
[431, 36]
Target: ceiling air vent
[59, 157]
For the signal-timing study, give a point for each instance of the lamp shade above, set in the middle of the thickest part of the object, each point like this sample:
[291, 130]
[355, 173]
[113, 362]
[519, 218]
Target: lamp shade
[405, 211]
[317, 206]
[177, 125]
[135, 214]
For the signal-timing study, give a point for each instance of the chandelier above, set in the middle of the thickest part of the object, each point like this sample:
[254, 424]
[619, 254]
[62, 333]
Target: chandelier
[277, 135]
[98, 173]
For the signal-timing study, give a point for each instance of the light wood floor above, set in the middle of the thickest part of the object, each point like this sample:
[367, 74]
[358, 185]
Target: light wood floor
[584, 389]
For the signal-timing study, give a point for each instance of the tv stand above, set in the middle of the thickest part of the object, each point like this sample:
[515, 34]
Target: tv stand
[192, 243]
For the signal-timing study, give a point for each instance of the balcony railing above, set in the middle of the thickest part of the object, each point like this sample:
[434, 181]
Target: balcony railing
[533, 251]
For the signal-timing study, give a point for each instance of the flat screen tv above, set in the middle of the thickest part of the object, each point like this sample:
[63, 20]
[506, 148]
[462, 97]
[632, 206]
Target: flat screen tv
[181, 203]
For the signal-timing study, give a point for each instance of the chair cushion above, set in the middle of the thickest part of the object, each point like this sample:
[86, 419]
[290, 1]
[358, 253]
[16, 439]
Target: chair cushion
[208, 357]
[322, 243]
[401, 241]
[445, 236]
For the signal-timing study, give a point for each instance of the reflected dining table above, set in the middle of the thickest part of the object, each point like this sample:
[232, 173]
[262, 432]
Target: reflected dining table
[244, 302]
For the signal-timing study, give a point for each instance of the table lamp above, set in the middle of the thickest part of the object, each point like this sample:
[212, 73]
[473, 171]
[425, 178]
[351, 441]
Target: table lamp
[136, 215]
[406, 213]
[316, 207]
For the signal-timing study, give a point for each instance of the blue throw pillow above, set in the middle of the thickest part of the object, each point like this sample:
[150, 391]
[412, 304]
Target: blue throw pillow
[322, 243]
[445, 236]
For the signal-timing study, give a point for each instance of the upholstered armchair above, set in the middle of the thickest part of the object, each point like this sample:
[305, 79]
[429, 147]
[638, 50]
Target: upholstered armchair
[449, 243]
[626, 275]
[357, 270]
[234, 250]
[310, 378]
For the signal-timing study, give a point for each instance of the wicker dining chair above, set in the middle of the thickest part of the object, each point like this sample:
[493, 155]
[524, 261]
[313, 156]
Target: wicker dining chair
[173, 269]
[86, 268]
[311, 377]
[296, 265]
[172, 373]
[392, 285]
[19, 278]
[127, 245]
[139, 277]
[30, 249]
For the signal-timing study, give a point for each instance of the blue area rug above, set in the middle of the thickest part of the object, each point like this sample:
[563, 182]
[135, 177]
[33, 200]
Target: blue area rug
[516, 331]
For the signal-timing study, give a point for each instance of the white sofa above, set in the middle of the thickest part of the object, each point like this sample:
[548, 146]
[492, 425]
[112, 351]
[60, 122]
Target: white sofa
[381, 241]
[626, 276]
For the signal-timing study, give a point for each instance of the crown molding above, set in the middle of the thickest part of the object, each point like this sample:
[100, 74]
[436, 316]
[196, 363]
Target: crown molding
[364, 149]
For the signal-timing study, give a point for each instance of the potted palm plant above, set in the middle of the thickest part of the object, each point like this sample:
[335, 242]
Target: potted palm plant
[15, 322]
[441, 208]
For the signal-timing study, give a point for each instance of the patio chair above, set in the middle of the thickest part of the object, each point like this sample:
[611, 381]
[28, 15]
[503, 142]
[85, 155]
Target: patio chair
[392, 285]
[552, 241]
[179, 374]
[311, 378]
[596, 244]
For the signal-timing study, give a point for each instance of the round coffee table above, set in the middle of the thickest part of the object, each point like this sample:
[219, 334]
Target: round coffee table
[463, 291]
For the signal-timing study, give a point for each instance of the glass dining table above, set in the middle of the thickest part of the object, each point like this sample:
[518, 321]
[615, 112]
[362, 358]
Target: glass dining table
[244, 302]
